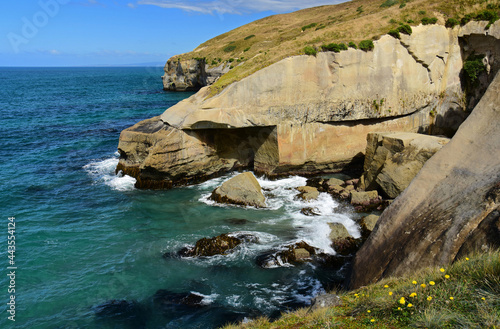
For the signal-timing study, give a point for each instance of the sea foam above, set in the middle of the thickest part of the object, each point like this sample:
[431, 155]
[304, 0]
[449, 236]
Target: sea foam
[103, 171]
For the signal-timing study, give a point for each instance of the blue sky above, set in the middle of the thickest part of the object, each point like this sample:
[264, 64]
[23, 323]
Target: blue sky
[111, 32]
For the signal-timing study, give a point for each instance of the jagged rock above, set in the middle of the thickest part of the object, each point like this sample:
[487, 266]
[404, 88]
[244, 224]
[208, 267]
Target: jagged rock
[448, 204]
[308, 211]
[394, 159]
[354, 182]
[364, 198]
[316, 182]
[218, 245]
[168, 300]
[368, 222]
[333, 182]
[191, 74]
[342, 242]
[243, 189]
[287, 255]
[301, 254]
[338, 231]
[326, 300]
[308, 193]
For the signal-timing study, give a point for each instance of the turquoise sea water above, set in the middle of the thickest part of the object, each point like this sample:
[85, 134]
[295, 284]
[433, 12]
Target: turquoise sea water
[85, 237]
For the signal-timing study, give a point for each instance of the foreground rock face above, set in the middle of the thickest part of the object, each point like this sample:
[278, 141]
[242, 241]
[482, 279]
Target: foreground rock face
[392, 160]
[243, 189]
[309, 114]
[451, 207]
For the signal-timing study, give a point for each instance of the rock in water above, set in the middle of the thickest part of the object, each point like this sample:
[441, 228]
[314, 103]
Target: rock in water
[243, 189]
[448, 204]
[308, 193]
[217, 245]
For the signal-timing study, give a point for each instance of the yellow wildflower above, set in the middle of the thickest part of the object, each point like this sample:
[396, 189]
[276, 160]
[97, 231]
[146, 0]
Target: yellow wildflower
[483, 298]
[423, 285]
[402, 301]
[441, 269]
[466, 258]
[429, 298]
[414, 282]
[447, 276]
[451, 298]
[386, 286]
[369, 311]
[413, 294]
[432, 283]
[372, 320]
[410, 305]
[399, 308]
[390, 293]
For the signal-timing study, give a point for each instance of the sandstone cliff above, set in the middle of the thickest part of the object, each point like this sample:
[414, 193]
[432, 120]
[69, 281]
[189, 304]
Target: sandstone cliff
[309, 114]
[450, 208]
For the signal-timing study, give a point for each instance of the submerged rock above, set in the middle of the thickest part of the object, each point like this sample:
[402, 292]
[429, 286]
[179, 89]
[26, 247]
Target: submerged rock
[126, 314]
[308, 211]
[243, 189]
[342, 242]
[287, 255]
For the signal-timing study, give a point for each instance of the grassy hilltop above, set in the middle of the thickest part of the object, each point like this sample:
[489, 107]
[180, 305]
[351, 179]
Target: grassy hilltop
[254, 46]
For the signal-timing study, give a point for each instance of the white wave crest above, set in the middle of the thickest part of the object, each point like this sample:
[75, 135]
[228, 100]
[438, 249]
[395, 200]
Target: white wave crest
[104, 172]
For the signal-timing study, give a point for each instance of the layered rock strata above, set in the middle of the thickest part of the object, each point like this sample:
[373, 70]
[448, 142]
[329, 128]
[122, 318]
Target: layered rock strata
[190, 74]
[306, 114]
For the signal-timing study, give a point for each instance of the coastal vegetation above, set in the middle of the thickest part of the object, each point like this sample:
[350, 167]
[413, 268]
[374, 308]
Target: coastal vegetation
[463, 295]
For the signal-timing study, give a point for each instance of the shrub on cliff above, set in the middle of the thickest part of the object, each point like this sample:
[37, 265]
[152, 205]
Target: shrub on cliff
[473, 66]
[394, 33]
[352, 45]
[405, 29]
[451, 22]
[366, 45]
[388, 3]
[429, 20]
[310, 51]
[342, 46]
[331, 47]
[305, 27]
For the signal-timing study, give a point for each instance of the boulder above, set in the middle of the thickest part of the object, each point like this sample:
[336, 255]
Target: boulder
[394, 159]
[325, 300]
[338, 231]
[368, 222]
[243, 189]
[287, 255]
[342, 242]
[333, 182]
[301, 254]
[364, 198]
[308, 193]
[448, 208]
[218, 245]
[308, 211]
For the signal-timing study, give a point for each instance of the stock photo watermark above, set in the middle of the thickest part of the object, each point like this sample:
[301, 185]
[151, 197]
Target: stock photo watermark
[32, 25]
[11, 268]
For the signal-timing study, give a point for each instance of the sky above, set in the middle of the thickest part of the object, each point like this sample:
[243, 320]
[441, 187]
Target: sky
[112, 32]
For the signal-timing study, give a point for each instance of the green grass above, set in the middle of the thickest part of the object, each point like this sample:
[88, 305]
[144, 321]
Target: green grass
[463, 295]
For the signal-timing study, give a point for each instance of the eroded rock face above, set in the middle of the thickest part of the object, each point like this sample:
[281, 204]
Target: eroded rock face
[243, 189]
[310, 115]
[448, 205]
[190, 75]
[393, 159]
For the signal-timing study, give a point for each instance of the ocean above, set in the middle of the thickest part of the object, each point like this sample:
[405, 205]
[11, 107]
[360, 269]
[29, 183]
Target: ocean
[88, 247]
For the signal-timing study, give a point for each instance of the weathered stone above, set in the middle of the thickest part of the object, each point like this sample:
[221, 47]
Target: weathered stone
[286, 255]
[190, 74]
[364, 198]
[316, 182]
[219, 245]
[394, 159]
[368, 222]
[334, 182]
[243, 189]
[326, 300]
[444, 207]
[338, 231]
[308, 193]
[301, 254]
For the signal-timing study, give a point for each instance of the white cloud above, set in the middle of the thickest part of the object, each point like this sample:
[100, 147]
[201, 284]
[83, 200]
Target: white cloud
[238, 6]
[54, 52]
[131, 5]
